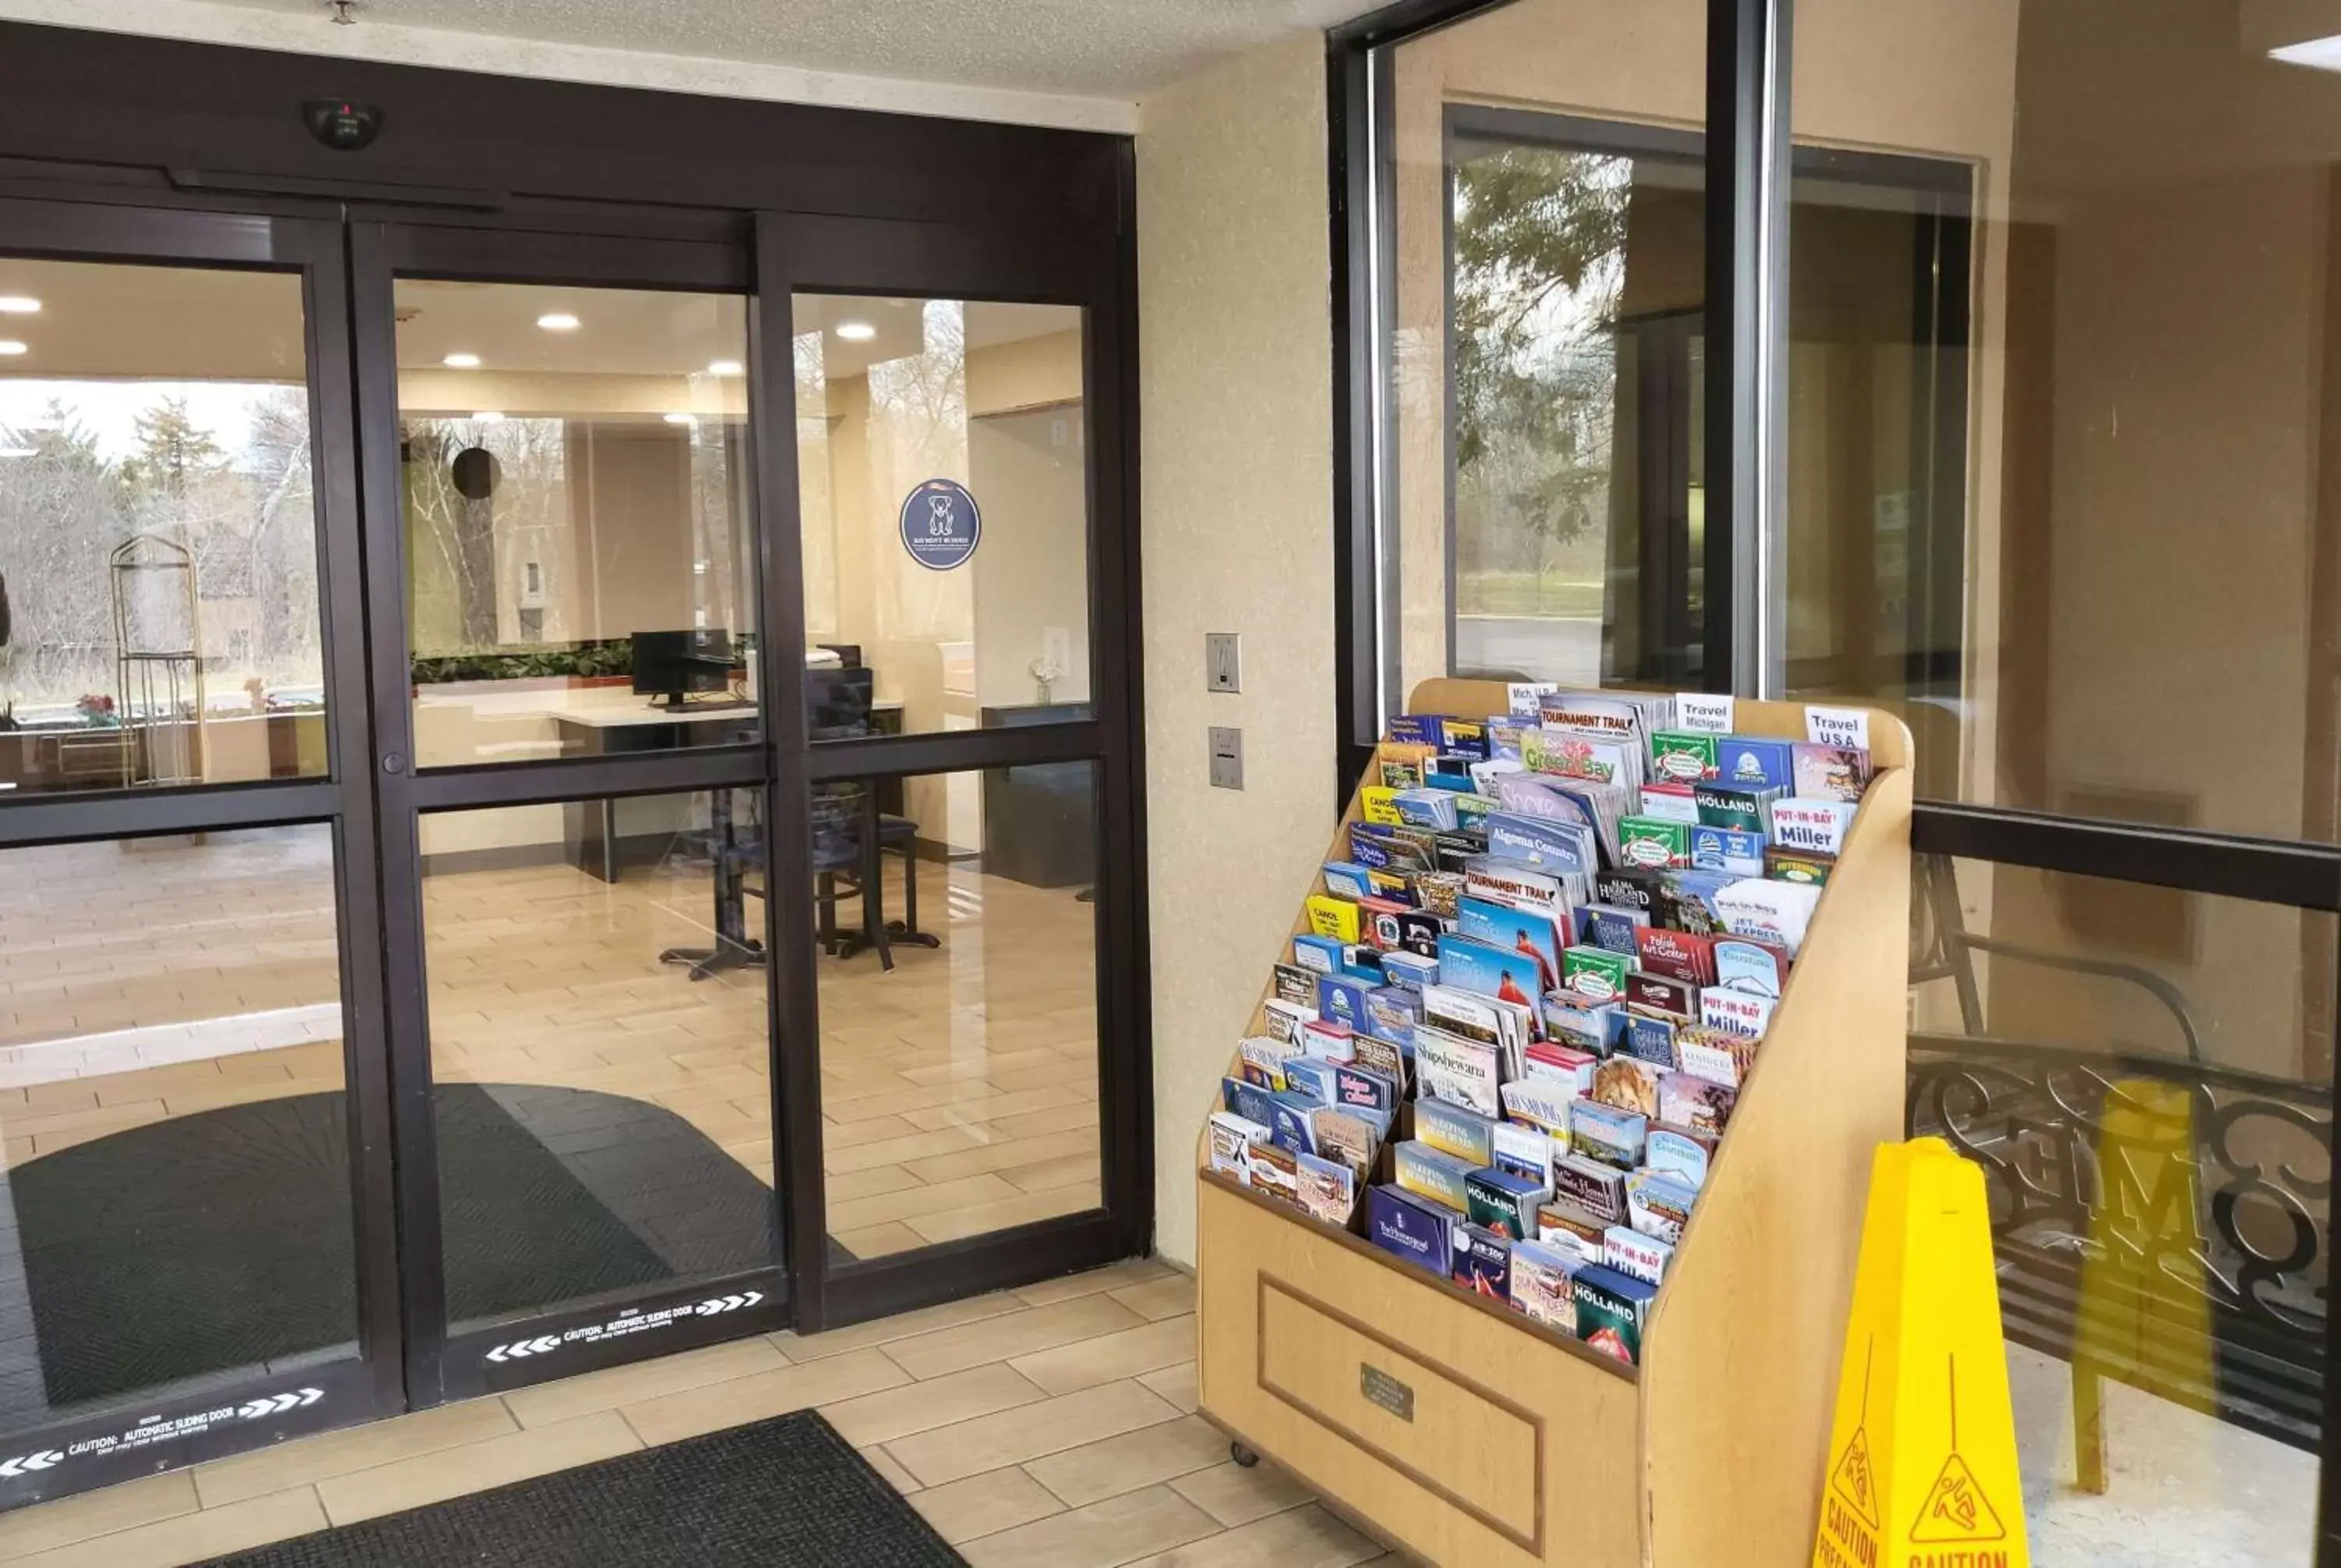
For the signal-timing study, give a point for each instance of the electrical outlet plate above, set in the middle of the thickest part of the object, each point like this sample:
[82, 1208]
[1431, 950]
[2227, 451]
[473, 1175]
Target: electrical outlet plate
[1226, 757]
[1222, 661]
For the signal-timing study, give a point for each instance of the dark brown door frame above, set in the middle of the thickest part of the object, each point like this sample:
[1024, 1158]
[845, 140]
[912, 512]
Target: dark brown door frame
[443, 1362]
[372, 1384]
[486, 173]
[804, 254]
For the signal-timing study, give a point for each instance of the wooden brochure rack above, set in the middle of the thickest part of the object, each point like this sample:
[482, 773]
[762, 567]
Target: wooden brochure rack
[1471, 1436]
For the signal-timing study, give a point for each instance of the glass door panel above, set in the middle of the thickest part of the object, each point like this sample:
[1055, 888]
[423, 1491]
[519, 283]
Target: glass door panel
[159, 619]
[964, 1045]
[943, 504]
[574, 465]
[176, 1125]
[195, 1212]
[601, 1075]
[565, 634]
[957, 931]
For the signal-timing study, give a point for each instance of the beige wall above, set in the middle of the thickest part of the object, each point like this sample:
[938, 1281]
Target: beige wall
[1236, 416]
[1027, 469]
[629, 507]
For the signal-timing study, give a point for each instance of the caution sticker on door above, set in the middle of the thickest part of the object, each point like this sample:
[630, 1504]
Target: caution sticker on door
[627, 1324]
[147, 1431]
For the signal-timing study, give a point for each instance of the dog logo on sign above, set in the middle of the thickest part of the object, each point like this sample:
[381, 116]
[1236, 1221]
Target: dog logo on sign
[940, 525]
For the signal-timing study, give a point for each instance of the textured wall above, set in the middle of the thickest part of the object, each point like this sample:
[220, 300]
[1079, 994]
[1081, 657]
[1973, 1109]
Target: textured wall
[1235, 404]
[566, 43]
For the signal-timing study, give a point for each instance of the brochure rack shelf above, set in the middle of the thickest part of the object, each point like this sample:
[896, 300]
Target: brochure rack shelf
[1468, 1435]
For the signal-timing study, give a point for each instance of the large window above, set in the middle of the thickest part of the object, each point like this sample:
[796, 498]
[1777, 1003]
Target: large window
[2034, 390]
[1576, 337]
[1545, 332]
[1576, 443]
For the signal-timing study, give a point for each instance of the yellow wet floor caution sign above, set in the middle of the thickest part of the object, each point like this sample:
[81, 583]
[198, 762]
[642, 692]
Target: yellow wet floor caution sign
[1922, 1457]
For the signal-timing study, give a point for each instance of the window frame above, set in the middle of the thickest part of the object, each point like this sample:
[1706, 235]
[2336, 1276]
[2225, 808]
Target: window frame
[1750, 164]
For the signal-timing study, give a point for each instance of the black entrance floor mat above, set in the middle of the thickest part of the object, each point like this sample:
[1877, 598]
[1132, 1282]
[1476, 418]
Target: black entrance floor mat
[222, 1239]
[788, 1492]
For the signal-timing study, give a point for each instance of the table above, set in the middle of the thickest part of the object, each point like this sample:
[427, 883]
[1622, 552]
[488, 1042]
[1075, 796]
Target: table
[591, 722]
[604, 730]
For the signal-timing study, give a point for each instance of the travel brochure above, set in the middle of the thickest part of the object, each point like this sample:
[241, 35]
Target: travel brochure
[1509, 1043]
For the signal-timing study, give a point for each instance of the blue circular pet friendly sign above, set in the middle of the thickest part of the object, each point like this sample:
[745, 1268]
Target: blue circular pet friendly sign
[940, 524]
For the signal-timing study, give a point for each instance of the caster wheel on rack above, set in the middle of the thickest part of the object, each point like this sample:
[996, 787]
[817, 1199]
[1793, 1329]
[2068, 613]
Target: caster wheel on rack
[1243, 1456]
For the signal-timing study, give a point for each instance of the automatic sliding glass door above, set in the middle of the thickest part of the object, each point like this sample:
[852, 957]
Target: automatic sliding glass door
[497, 877]
[966, 1061]
[566, 655]
[195, 1224]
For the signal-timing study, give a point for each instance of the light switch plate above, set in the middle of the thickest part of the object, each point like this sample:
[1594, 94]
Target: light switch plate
[1222, 661]
[1226, 757]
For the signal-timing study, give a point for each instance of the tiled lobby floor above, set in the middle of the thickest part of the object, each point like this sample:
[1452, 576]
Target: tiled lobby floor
[958, 1089]
[1051, 1427]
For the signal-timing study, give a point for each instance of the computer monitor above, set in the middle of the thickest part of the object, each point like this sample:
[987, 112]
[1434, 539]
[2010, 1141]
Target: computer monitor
[668, 664]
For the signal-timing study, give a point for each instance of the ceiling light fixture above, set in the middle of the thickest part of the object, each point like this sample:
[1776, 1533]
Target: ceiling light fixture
[489, 416]
[856, 332]
[725, 367]
[11, 347]
[2319, 54]
[461, 362]
[19, 306]
[557, 321]
[682, 419]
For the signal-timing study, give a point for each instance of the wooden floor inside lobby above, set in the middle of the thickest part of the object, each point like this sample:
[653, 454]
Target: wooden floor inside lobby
[1051, 1427]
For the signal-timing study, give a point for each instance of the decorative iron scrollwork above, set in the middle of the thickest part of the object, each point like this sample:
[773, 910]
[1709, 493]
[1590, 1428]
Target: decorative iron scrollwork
[2189, 1179]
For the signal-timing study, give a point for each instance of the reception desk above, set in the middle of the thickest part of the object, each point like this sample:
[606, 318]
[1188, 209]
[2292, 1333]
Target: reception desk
[592, 827]
[473, 723]
[1039, 821]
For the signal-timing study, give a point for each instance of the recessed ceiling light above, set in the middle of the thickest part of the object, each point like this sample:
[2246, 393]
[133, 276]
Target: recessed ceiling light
[19, 306]
[11, 346]
[557, 321]
[461, 362]
[682, 419]
[725, 367]
[2319, 54]
[856, 332]
[488, 417]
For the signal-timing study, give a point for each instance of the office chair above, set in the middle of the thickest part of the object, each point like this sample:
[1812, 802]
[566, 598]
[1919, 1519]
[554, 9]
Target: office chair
[841, 869]
[838, 703]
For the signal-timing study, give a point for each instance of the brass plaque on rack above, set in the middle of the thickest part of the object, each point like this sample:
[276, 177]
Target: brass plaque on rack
[1380, 1389]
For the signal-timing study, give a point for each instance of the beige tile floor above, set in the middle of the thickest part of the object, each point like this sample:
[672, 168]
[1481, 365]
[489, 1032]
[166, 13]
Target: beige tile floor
[144, 981]
[1049, 1427]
